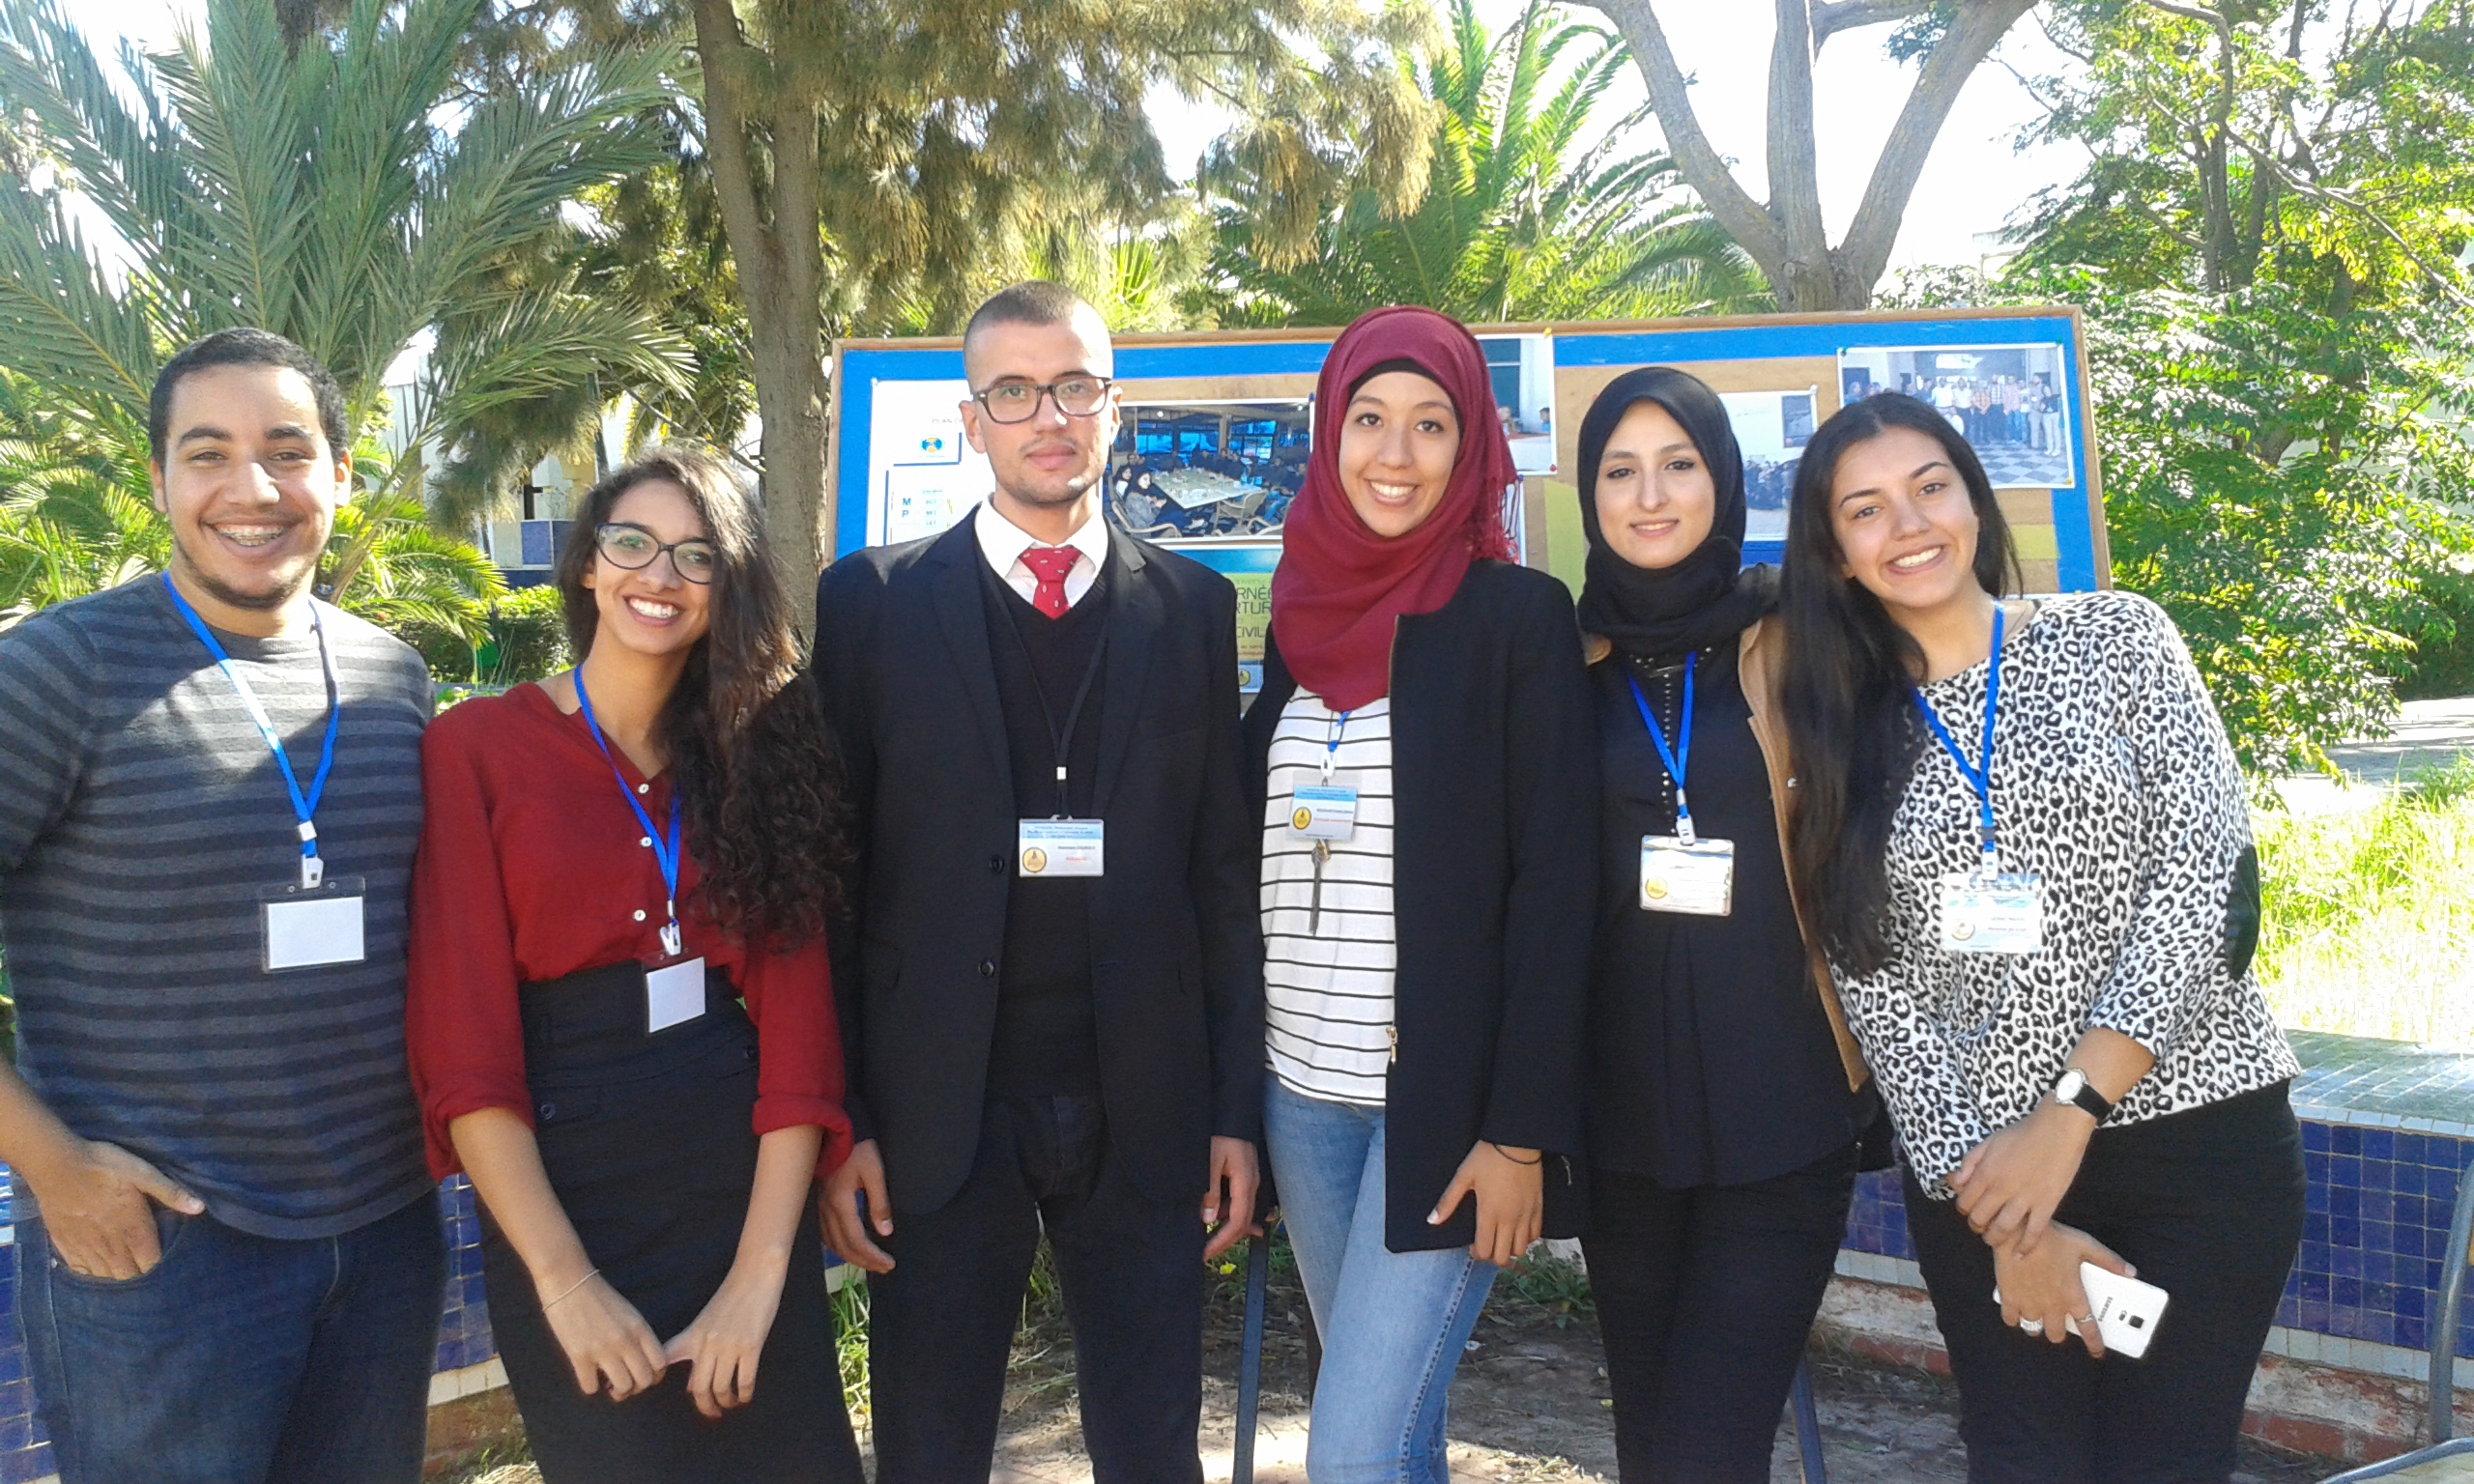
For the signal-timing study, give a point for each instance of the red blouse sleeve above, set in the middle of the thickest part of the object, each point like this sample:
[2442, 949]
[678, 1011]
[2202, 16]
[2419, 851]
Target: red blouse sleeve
[462, 1032]
[789, 996]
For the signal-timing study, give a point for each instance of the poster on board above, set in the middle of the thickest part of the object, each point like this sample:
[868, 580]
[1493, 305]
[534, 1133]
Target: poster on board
[1217, 426]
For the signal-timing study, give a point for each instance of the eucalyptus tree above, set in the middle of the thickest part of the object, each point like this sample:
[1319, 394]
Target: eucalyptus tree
[335, 186]
[1524, 216]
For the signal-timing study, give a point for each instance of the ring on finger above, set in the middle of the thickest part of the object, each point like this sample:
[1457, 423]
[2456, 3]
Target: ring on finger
[2031, 1325]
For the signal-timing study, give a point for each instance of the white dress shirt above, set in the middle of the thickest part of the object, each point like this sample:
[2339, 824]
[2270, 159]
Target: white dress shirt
[1003, 543]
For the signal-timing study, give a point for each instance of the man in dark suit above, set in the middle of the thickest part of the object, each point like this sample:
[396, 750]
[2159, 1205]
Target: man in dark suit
[1052, 995]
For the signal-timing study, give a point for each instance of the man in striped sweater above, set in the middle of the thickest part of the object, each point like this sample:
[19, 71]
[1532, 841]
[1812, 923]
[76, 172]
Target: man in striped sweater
[229, 1258]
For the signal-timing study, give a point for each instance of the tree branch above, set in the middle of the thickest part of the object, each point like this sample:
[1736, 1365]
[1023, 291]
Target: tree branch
[1795, 168]
[1864, 255]
[1699, 161]
[1829, 19]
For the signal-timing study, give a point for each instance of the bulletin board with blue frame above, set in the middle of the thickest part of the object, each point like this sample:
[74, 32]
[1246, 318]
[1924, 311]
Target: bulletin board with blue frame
[1218, 422]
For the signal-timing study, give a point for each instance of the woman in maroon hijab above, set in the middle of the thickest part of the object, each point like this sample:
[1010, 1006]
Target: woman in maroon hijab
[1426, 757]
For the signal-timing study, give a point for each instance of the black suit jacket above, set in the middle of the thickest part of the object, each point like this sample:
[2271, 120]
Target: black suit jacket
[1494, 873]
[910, 686]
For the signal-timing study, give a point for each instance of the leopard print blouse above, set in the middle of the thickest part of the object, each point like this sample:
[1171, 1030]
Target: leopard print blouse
[2113, 781]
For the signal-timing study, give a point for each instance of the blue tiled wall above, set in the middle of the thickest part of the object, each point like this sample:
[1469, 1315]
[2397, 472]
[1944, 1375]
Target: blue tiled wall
[2374, 1239]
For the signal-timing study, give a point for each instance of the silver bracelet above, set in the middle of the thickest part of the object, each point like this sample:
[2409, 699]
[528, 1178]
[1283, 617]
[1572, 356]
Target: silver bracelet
[571, 1288]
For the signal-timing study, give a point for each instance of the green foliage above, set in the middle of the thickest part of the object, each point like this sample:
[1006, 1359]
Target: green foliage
[2367, 927]
[2266, 472]
[1519, 221]
[528, 637]
[2265, 242]
[75, 515]
[340, 191]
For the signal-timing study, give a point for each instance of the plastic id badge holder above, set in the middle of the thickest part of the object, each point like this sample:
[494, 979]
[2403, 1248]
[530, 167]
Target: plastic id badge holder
[1060, 847]
[312, 926]
[673, 994]
[1992, 914]
[1324, 811]
[1696, 877]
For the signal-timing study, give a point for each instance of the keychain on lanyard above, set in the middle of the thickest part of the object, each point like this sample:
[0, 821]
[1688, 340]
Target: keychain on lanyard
[304, 806]
[666, 854]
[1324, 813]
[1682, 872]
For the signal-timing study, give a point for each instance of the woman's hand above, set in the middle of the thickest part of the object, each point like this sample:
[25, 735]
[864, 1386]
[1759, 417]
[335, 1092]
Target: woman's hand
[603, 1336]
[2010, 1184]
[2043, 1286]
[728, 1337]
[1510, 1189]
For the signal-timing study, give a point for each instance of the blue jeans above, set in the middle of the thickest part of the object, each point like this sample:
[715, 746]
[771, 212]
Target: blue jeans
[1392, 1324]
[239, 1359]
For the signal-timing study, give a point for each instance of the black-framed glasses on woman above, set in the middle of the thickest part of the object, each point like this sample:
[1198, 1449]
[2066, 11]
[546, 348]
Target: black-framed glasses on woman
[1075, 396]
[635, 548]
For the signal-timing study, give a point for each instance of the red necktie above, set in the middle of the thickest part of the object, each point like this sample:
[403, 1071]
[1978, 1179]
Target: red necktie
[1049, 564]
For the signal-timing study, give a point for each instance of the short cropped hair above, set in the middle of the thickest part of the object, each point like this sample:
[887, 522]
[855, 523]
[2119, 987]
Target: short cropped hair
[246, 348]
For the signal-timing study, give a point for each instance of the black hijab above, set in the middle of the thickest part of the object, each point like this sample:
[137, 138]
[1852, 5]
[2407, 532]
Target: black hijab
[1703, 600]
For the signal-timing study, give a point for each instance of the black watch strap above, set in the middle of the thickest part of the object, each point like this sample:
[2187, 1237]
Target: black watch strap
[2085, 1099]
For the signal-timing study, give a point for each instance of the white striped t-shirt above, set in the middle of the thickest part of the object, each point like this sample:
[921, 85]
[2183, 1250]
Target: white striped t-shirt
[1327, 981]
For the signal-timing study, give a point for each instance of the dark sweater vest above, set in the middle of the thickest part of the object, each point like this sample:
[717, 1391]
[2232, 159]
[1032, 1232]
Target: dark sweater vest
[1047, 1043]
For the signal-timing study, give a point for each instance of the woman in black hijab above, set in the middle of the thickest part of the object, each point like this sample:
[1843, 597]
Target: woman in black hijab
[1725, 1097]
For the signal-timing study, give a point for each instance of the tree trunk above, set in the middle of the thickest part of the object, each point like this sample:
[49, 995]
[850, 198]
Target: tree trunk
[776, 247]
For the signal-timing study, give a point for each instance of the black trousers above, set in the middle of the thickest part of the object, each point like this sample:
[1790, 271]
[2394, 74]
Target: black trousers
[648, 1147]
[2207, 1206]
[1705, 1295]
[942, 1324]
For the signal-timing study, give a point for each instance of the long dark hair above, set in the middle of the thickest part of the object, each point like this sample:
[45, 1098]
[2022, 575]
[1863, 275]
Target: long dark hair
[1850, 725]
[757, 777]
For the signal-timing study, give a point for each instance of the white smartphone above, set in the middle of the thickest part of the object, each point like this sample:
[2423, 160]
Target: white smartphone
[2126, 1310]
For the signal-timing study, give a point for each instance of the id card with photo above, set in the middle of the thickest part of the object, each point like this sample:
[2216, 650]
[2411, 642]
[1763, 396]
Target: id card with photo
[1059, 848]
[1324, 811]
[1696, 877]
[1992, 914]
[312, 926]
[673, 994]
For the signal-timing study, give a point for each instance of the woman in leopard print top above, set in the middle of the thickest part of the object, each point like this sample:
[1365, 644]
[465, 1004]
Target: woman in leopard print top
[2105, 1088]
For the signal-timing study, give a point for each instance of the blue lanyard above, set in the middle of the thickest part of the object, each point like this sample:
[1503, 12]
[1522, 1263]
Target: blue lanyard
[1980, 776]
[1679, 757]
[304, 806]
[665, 853]
[1332, 744]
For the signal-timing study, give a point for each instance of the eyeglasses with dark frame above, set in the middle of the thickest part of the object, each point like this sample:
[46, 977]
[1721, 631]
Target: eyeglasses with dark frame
[634, 549]
[1075, 396]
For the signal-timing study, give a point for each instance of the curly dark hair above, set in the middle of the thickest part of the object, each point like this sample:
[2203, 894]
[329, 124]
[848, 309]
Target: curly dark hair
[760, 783]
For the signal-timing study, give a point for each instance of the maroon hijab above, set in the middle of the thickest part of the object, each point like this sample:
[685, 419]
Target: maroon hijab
[1339, 586]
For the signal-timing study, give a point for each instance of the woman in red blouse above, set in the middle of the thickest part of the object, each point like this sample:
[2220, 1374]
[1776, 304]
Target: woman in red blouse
[612, 862]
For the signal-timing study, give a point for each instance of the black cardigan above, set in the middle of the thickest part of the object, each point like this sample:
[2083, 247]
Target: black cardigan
[1494, 776]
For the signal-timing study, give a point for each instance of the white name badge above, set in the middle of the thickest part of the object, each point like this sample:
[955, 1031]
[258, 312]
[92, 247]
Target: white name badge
[1060, 847]
[309, 927]
[1696, 877]
[1324, 812]
[1992, 915]
[673, 994]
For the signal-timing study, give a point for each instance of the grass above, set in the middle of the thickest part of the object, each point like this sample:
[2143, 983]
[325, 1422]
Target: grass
[2369, 927]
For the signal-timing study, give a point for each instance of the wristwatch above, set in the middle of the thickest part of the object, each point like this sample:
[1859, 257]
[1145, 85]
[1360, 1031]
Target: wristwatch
[2075, 1089]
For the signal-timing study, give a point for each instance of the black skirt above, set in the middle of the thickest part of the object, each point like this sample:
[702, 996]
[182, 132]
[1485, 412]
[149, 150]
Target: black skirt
[648, 1147]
